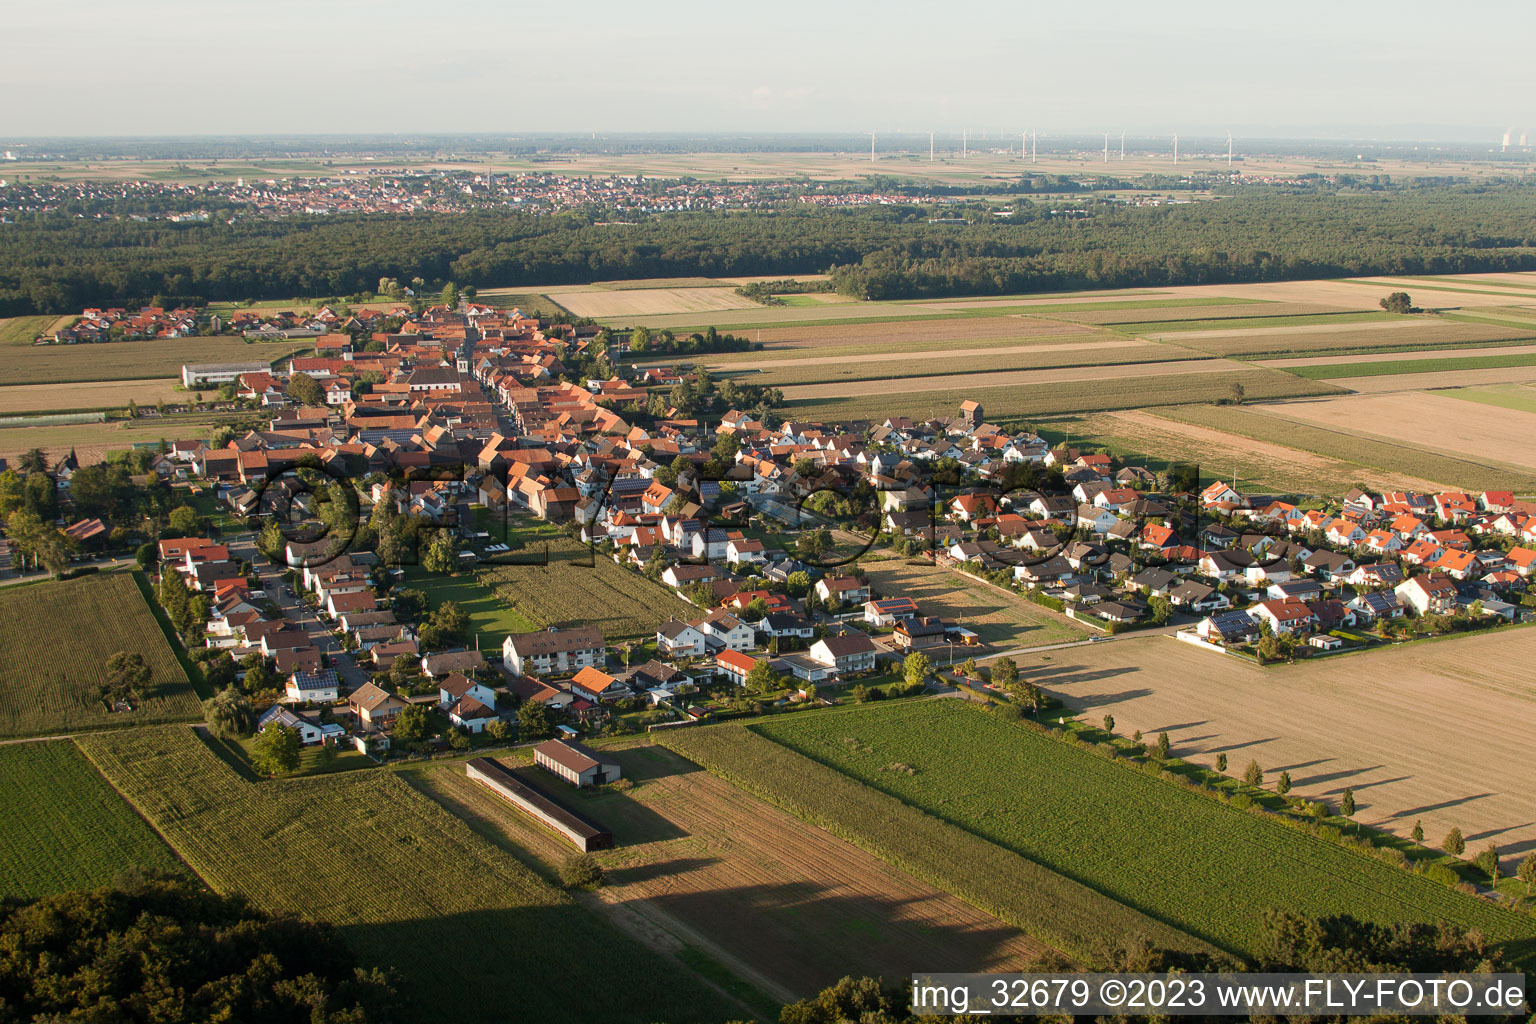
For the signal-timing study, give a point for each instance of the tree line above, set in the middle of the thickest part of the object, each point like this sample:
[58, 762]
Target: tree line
[59, 264]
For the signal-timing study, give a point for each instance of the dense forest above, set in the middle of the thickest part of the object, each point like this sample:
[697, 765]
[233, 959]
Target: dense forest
[58, 264]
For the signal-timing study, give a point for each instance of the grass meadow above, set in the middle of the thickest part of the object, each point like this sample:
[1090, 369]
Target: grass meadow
[63, 827]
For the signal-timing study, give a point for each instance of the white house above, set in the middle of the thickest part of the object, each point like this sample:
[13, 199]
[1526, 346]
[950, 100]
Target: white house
[730, 631]
[679, 639]
[845, 654]
[309, 731]
[553, 650]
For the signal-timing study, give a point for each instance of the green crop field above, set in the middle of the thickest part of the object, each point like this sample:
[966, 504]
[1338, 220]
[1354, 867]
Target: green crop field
[1335, 444]
[1332, 371]
[1063, 310]
[579, 587]
[55, 639]
[135, 360]
[63, 827]
[21, 330]
[1514, 396]
[1061, 398]
[470, 929]
[1176, 855]
[1050, 906]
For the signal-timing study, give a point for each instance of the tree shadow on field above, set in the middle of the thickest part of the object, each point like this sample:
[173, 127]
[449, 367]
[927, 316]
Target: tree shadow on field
[657, 869]
[1065, 675]
[1345, 773]
[806, 935]
[1178, 725]
[1442, 805]
[1490, 833]
[1084, 701]
[537, 958]
[1301, 764]
[1243, 745]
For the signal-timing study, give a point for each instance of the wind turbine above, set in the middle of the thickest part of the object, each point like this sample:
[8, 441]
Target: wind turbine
[930, 147]
[1023, 144]
[871, 147]
[1229, 147]
[1175, 150]
[1034, 143]
[1106, 147]
[1122, 144]
[965, 142]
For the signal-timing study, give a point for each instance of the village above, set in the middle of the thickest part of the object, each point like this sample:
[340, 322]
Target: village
[454, 432]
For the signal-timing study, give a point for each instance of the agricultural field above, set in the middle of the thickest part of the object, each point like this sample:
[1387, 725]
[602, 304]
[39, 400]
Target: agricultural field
[1402, 334]
[91, 441]
[1156, 441]
[134, 360]
[22, 330]
[1405, 457]
[925, 397]
[579, 587]
[1434, 731]
[63, 827]
[940, 333]
[25, 398]
[1192, 310]
[788, 906]
[1382, 383]
[1178, 856]
[1020, 377]
[1028, 347]
[1259, 319]
[1052, 907]
[1499, 437]
[408, 884]
[1522, 361]
[639, 302]
[998, 617]
[1520, 397]
[904, 365]
[50, 681]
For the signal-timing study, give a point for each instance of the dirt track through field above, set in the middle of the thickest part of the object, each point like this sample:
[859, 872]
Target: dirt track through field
[1006, 377]
[1437, 732]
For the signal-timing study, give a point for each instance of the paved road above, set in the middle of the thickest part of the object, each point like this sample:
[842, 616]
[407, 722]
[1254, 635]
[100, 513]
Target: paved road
[102, 563]
[271, 576]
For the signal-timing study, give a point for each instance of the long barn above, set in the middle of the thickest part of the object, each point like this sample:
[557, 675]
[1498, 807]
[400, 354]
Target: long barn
[582, 831]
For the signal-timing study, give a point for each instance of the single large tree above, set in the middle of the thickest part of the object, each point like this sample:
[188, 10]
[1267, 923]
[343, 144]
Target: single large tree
[276, 750]
[1454, 843]
[127, 674]
[916, 668]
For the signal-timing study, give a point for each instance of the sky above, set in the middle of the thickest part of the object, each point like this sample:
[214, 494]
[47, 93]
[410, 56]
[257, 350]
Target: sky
[1405, 69]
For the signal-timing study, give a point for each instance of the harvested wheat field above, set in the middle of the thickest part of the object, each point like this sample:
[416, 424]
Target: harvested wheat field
[782, 903]
[20, 398]
[1220, 452]
[1009, 378]
[1427, 420]
[1435, 731]
[650, 301]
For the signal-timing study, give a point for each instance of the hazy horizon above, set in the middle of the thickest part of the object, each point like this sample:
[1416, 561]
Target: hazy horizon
[176, 68]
